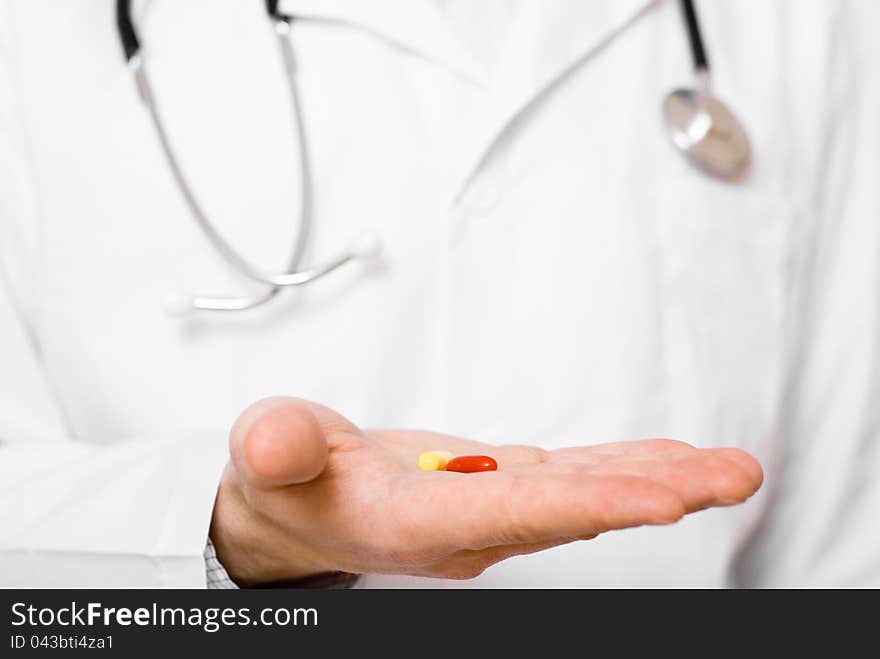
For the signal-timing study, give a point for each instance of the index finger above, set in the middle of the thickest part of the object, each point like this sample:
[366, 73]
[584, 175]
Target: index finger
[488, 509]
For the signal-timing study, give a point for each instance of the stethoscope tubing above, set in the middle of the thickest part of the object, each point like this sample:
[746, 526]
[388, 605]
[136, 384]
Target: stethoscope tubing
[293, 276]
[685, 138]
[695, 37]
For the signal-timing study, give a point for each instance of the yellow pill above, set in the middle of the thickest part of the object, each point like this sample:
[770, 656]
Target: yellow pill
[434, 460]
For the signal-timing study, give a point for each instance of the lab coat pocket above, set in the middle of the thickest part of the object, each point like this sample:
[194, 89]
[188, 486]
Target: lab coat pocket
[722, 259]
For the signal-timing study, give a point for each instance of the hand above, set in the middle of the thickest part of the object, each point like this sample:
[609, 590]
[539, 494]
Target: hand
[306, 492]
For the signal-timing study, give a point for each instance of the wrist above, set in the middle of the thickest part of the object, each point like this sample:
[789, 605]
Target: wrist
[252, 549]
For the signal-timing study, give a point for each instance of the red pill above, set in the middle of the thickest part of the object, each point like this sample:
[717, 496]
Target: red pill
[468, 464]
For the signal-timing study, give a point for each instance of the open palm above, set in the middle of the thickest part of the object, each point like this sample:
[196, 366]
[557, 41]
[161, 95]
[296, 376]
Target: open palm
[328, 496]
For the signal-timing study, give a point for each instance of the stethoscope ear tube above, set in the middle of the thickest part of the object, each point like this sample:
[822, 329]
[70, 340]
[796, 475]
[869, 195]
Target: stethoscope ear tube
[131, 44]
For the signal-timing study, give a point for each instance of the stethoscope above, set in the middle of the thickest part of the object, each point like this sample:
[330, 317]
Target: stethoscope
[699, 125]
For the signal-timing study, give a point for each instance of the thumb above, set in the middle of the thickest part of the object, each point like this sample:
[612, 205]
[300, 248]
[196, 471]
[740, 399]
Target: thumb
[277, 442]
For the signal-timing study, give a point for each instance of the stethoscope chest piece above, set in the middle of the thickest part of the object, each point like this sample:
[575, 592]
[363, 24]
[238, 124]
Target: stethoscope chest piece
[707, 132]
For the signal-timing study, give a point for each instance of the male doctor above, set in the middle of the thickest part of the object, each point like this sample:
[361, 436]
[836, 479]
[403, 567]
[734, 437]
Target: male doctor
[557, 285]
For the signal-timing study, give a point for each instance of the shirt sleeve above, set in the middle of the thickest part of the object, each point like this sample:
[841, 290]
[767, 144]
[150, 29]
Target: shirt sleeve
[134, 511]
[218, 578]
[822, 528]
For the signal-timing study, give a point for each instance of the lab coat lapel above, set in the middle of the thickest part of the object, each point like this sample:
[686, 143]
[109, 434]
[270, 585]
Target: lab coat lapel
[546, 41]
[551, 36]
[415, 25]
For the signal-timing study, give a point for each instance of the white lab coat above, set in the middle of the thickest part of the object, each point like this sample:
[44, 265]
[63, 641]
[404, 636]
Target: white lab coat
[554, 272]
